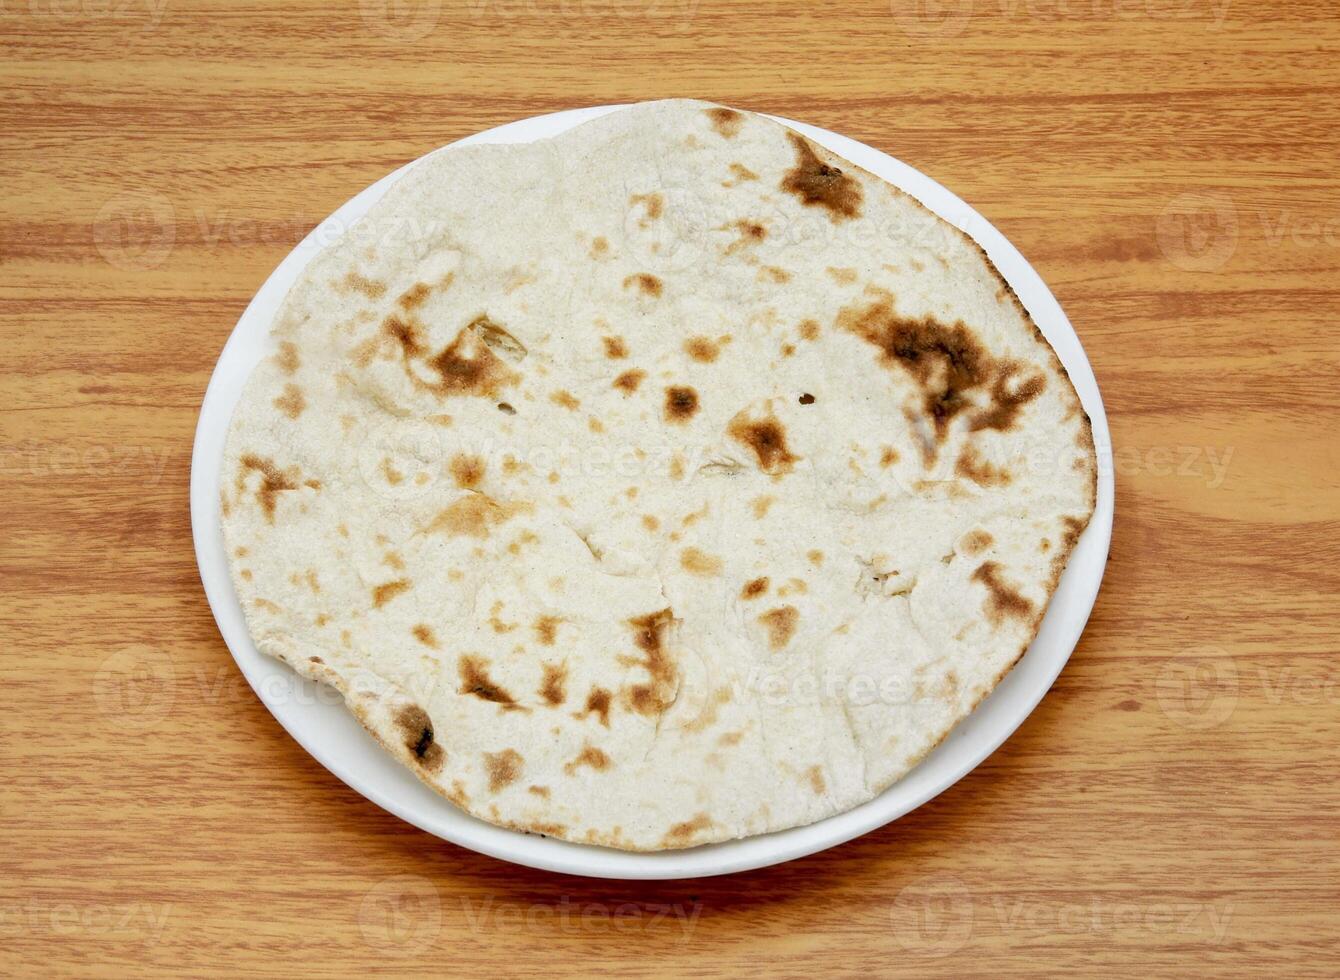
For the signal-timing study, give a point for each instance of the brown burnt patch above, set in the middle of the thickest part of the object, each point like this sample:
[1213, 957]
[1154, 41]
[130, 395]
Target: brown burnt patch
[809, 329]
[726, 122]
[975, 542]
[972, 466]
[751, 231]
[843, 276]
[888, 456]
[467, 470]
[780, 624]
[740, 173]
[629, 381]
[473, 515]
[754, 588]
[287, 357]
[503, 768]
[645, 282]
[425, 635]
[371, 288]
[681, 833]
[540, 791]
[702, 350]
[700, 563]
[653, 204]
[1003, 599]
[291, 402]
[948, 363]
[384, 593]
[600, 246]
[546, 629]
[681, 403]
[405, 333]
[815, 775]
[1007, 399]
[468, 366]
[649, 636]
[553, 686]
[818, 184]
[273, 482]
[565, 399]
[476, 682]
[708, 714]
[597, 703]
[1072, 528]
[767, 438]
[414, 297]
[615, 347]
[589, 756]
[416, 734]
[750, 234]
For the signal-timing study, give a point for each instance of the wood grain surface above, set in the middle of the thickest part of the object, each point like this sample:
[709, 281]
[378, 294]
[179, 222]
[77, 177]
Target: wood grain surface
[1169, 166]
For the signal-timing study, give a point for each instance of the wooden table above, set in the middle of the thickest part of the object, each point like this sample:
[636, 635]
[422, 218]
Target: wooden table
[1169, 166]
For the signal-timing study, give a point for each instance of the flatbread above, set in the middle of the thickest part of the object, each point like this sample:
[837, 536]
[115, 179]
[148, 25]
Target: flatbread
[669, 481]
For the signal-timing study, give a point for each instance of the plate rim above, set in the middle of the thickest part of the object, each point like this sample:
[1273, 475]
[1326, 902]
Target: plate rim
[1072, 601]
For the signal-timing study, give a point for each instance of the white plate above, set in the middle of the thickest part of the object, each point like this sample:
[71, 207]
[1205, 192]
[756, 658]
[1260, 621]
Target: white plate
[315, 716]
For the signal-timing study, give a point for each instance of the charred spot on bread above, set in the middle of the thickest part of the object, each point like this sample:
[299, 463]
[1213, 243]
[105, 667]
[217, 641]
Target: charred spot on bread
[646, 283]
[702, 350]
[819, 184]
[629, 381]
[475, 682]
[681, 403]
[552, 687]
[1003, 598]
[598, 703]
[273, 482]
[503, 768]
[649, 636]
[754, 588]
[416, 731]
[726, 122]
[949, 364]
[766, 436]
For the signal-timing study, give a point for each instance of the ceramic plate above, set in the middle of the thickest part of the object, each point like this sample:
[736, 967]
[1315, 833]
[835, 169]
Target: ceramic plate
[316, 717]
